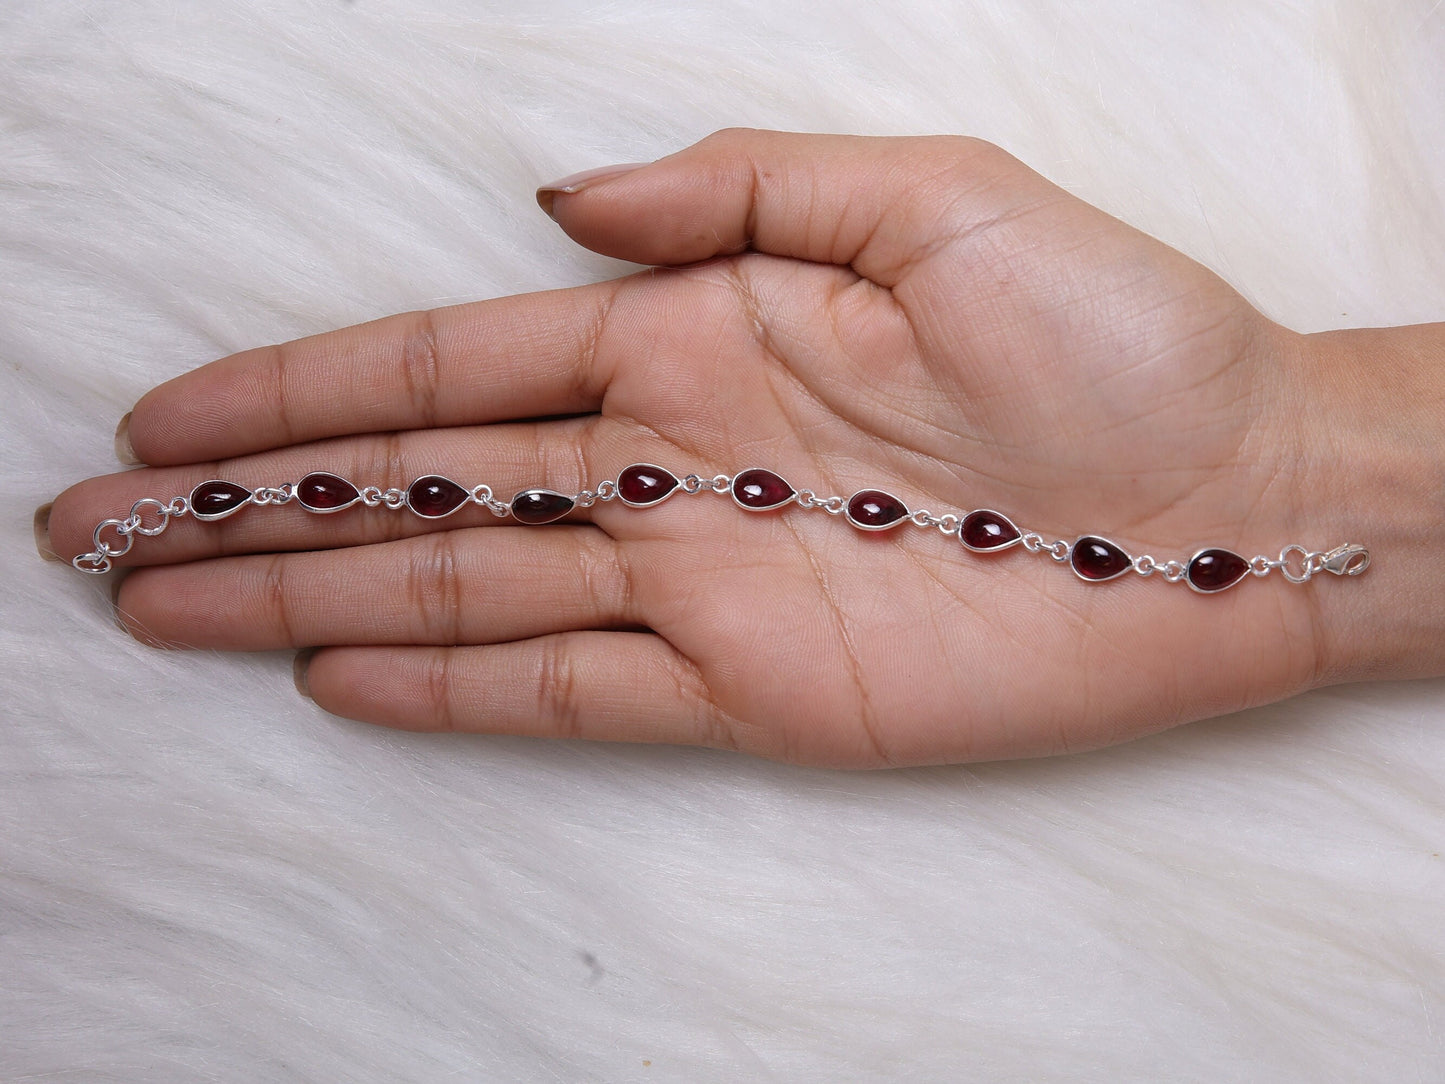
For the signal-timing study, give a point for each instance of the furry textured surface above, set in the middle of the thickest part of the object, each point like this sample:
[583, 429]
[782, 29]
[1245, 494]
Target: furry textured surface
[202, 877]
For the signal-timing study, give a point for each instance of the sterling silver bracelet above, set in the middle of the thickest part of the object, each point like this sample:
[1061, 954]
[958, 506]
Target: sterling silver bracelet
[642, 485]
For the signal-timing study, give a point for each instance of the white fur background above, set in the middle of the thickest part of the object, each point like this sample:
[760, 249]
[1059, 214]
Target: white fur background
[202, 877]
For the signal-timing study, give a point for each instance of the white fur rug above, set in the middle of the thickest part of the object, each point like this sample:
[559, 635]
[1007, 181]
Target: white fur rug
[203, 877]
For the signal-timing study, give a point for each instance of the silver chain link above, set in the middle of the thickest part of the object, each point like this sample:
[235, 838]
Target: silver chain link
[1036, 543]
[718, 483]
[947, 524]
[282, 494]
[1172, 571]
[98, 561]
[605, 491]
[834, 506]
[393, 498]
[483, 496]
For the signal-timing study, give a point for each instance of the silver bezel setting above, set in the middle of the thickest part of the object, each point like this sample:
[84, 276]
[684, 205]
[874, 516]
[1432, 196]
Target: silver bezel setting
[1016, 540]
[733, 491]
[1128, 560]
[848, 511]
[414, 510]
[296, 490]
[512, 505]
[676, 487]
[208, 517]
[1218, 590]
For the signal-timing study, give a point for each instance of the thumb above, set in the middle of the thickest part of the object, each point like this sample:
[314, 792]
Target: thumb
[879, 205]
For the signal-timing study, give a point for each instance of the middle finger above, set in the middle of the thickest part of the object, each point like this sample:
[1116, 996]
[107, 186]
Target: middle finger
[566, 456]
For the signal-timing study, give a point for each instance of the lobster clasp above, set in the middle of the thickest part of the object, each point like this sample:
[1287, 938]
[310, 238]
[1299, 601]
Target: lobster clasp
[1347, 560]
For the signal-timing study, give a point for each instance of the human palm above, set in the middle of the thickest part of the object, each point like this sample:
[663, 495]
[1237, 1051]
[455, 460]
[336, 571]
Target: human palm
[924, 317]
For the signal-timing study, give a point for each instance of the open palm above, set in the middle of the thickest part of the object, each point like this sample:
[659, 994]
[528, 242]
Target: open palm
[925, 317]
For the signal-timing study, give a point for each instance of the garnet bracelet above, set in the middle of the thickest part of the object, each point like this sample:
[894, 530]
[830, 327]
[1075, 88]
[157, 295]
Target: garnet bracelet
[643, 485]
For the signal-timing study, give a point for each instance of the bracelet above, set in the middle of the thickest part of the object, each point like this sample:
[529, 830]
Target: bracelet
[642, 485]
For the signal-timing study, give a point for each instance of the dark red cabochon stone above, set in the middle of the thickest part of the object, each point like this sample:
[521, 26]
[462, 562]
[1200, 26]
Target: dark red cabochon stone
[642, 483]
[534, 506]
[986, 530]
[761, 489]
[875, 509]
[434, 496]
[212, 500]
[322, 492]
[1214, 570]
[1098, 558]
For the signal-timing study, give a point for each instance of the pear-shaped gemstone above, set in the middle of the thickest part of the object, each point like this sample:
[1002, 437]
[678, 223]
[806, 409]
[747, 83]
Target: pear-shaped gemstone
[985, 531]
[433, 496]
[643, 484]
[761, 490]
[1097, 559]
[217, 499]
[322, 492]
[1214, 570]
[536, 506]
[874, 510]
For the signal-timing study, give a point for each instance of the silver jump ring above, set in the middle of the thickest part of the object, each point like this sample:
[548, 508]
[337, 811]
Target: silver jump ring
[105, 549]
[1306, 570]
[162, 510]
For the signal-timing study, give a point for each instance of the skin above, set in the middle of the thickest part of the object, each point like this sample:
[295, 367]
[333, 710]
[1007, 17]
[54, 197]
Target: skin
[924, 316]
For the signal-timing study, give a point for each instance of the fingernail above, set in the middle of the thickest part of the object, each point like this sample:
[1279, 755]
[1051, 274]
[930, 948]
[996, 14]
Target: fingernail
[123, 451]
[42, 533]
[117, 578]
[548, 193]
[299, 666]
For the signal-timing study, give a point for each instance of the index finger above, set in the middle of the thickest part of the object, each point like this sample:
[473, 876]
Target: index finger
[529, 355]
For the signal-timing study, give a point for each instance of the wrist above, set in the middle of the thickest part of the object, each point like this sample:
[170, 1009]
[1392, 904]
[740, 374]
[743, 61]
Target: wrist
[1370, 410]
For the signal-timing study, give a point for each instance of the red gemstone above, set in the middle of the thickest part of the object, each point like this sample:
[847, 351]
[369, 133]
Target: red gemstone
[1214, 570]
[642, 484]
[986, 531]
[874, 510]
[433, 496]
[217, 499]
[322, 492]
[534, 506]
[761, 490]
[1098, 559]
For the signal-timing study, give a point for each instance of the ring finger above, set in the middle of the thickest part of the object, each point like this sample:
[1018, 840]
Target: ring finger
[446, 588]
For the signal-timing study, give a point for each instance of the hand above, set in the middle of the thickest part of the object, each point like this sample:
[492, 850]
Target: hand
[922, 316]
